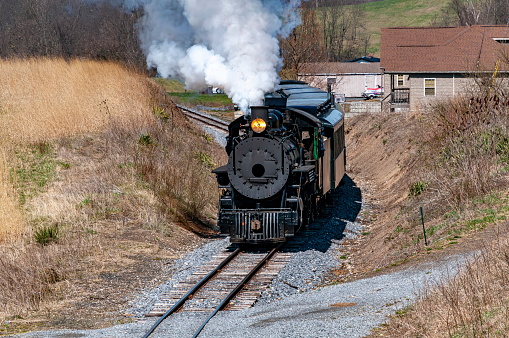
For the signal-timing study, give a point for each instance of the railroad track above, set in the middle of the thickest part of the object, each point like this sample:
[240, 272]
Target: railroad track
[205, 119]
[232, 280]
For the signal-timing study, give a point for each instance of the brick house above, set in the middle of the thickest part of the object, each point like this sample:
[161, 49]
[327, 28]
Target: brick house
[425, 64]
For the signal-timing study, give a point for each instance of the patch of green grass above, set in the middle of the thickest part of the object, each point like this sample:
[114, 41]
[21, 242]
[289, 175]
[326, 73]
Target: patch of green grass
[479, 223]
[432, 229]
[193, 99]
[452, 215]
[403, 311]
[35, 168]
[46, 234]
[206, 160]
[86, 202]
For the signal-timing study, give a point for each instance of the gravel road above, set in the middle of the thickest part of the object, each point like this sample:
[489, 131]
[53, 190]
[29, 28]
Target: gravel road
[295, 305]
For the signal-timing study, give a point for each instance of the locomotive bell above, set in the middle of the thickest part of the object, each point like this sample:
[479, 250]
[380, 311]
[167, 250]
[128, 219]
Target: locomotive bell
[260, 113]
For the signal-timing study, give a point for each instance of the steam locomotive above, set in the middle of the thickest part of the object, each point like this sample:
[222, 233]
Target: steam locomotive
[284, 159]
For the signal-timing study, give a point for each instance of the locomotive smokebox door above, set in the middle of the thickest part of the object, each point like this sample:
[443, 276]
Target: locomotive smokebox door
[259, 168]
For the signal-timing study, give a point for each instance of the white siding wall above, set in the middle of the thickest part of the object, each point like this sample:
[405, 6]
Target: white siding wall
[352, 85]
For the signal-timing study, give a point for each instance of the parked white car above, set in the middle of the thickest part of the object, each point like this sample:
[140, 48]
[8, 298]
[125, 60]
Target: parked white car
[372, 93]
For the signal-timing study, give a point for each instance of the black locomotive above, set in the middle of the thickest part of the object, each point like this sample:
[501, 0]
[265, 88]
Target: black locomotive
[284, 159]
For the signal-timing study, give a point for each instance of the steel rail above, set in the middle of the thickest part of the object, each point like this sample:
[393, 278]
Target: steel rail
[204, 118]
[239, 287]
[193, 290]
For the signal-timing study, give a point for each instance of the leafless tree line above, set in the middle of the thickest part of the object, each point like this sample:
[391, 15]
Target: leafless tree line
[69, 28]
[475, 12]
[330, 31]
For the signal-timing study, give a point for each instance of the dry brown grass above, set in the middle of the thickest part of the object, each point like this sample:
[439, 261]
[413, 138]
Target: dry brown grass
[43, 99]
[472, 304]
[469, 146]
[96, 153]
[11, 218]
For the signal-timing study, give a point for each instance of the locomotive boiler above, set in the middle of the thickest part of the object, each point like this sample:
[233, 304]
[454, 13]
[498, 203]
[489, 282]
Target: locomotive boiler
[284, 158]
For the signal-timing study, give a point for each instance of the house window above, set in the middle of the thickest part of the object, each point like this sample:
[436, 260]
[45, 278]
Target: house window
[429, 87]
[400, 81]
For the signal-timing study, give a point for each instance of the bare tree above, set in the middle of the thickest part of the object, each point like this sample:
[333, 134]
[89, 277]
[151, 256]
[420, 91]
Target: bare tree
[480, 12]
[303, 45]
[344, 36]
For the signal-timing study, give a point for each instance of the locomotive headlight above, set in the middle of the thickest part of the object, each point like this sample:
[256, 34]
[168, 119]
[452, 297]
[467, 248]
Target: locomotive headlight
[258, 125]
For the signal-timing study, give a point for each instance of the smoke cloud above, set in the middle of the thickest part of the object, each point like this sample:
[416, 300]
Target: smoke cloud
[223, 43]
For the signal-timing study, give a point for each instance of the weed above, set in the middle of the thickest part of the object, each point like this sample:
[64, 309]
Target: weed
[46, 234]
[145, 140]
[161, 113]
[206, 159]
[418, 188]
[208, 138]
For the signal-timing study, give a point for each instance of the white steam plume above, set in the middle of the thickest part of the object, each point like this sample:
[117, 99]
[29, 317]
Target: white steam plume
[225, 43]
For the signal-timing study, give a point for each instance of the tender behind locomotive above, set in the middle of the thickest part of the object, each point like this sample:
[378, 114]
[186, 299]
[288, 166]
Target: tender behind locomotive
[284, 158]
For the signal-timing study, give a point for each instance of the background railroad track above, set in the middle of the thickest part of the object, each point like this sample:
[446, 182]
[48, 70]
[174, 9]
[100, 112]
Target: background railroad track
[204, 118]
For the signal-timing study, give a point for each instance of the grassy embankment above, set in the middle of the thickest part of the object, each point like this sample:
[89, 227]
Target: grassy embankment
[89, 148]
[460, 178]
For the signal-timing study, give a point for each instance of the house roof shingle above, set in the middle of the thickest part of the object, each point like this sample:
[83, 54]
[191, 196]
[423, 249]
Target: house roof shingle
[444, 49]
